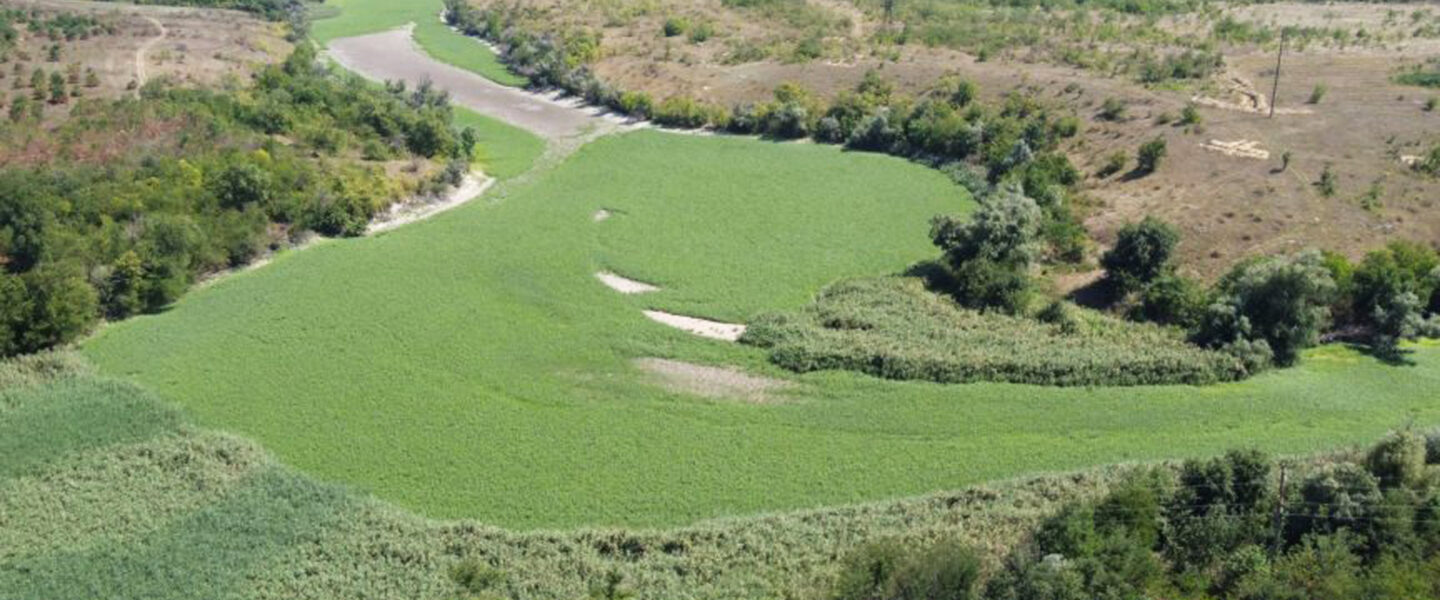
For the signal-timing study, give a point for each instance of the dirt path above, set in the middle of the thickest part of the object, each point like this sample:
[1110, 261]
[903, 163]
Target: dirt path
[142, 53]
[393, 55]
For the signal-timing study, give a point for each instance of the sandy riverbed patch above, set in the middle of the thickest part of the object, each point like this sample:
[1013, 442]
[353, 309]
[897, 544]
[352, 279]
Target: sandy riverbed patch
[417, 209]
[712, 382]
[715, 330]
[624, 285]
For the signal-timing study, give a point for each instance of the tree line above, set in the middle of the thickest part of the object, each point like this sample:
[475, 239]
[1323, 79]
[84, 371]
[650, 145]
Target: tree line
[1241, 526]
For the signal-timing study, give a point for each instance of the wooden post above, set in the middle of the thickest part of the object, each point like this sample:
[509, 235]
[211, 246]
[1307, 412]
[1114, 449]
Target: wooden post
[1279, 518]
[1275, 89]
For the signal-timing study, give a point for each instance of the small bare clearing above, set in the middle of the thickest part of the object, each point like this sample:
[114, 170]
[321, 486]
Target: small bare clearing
[712, 382]
[1238, 148]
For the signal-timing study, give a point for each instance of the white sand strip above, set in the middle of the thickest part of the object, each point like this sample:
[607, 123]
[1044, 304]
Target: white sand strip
[624, 285]
[414, 210]
[704, 328]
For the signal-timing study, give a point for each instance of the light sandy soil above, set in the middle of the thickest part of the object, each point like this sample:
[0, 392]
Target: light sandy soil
[394, 56]
[624, 285]
[402, 213]
[712, 382]
[716, 330]
[1238, 148]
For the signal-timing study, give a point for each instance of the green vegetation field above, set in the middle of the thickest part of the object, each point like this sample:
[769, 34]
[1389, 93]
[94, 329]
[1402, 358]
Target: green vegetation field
[504, 150]
[358, 17]
[114, 494]
[472, 366]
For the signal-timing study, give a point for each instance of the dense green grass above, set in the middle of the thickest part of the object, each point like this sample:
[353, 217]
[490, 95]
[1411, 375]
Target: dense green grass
[358, 17]
[150, 507]
[504, 150]
[472, 366]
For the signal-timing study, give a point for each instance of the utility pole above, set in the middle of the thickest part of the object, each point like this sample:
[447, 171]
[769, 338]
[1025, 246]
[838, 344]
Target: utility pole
[1275, 89]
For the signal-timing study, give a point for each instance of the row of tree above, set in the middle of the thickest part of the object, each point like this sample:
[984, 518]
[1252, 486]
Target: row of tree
[232, 175]
[1229, 527]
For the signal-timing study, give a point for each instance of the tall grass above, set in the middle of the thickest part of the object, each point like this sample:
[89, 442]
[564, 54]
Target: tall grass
[893, 328]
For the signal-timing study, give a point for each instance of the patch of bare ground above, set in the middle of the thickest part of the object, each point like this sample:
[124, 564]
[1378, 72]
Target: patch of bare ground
[722, 383]
[715, 330]
[1238, 148]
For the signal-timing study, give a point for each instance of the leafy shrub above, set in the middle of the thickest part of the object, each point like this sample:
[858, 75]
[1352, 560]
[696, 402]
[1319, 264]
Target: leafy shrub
[945, 570]
[1147, 160]
[1190, 115]
[675, 26]
[1113, 109]
[1142, 253]
[1317, 93]
[1282, 300]
[1172, 300]
[894, 328]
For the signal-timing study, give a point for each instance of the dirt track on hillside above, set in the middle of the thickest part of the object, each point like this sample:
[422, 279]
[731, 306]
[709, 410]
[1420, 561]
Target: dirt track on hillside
[393, 55]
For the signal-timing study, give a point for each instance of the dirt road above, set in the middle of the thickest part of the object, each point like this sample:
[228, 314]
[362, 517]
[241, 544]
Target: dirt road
[393, 55]
[142, 53]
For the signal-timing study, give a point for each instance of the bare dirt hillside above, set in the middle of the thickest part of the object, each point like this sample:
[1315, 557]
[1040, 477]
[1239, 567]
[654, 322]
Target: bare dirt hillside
[1221, 182]
[133, 44]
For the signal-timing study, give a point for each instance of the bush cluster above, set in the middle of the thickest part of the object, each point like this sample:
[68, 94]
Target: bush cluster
[894, 328]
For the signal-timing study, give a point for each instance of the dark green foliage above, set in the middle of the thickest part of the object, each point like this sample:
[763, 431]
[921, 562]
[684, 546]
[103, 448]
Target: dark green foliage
[1281, 300]
[1343, 536]
[130, 236]
[1172, 300]
[1142, 254]
[894, 328]
[887, 570]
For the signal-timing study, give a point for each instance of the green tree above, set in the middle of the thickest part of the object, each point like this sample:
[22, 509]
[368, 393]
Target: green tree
[63, 306]
[1142, 253]
[14, 313]
[1285, 300]
[58, 94]
[123, 293]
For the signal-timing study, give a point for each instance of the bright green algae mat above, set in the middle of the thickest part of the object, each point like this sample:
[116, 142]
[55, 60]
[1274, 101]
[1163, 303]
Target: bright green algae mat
[471, 365]
[359, 17]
